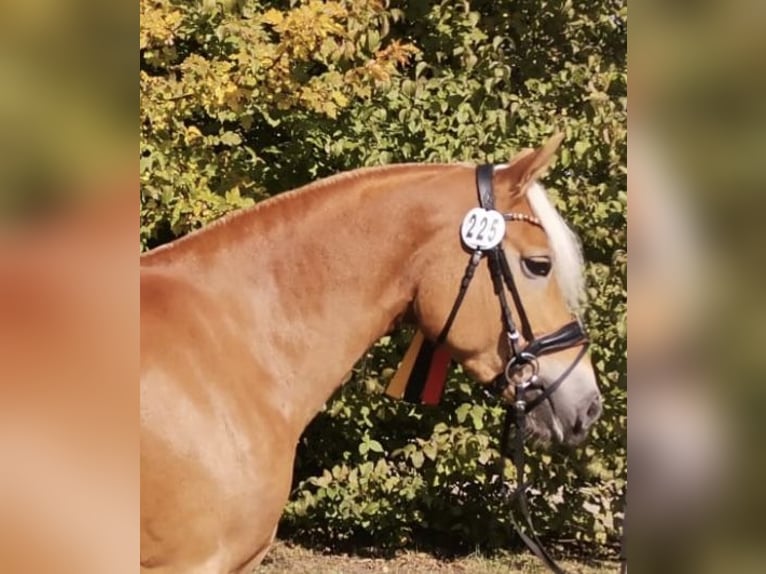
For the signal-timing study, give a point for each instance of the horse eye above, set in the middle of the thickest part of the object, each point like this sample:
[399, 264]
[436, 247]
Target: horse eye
[539, 266]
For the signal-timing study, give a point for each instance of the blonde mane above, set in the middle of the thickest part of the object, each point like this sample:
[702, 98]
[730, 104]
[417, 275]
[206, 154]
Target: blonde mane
[568, 262]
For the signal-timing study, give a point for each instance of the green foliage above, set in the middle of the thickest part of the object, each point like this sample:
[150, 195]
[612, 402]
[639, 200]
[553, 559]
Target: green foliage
[399, 471]
[233, 99]
[240, 102]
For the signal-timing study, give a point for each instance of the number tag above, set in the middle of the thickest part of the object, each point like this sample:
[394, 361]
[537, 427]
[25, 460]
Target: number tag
[482, 228]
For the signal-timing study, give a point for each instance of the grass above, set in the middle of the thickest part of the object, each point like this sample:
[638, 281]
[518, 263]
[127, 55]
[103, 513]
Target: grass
[293, 559]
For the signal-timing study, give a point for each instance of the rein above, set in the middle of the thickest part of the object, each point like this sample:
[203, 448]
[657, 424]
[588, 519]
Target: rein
[568, 336]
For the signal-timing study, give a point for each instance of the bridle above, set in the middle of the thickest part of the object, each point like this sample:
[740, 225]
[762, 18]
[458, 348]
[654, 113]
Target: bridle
[568, 336]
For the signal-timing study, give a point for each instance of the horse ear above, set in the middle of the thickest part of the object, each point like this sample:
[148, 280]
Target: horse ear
[530, 164]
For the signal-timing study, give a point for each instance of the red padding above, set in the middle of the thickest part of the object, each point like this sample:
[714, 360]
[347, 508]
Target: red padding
[437, 377]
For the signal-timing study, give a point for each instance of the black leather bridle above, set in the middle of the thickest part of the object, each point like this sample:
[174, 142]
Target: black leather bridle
[570, 335]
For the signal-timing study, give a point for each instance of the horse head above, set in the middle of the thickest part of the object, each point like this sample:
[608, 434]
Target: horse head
[542, 291]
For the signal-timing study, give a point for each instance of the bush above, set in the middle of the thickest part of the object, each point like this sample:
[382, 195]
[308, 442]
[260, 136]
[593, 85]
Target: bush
[242, 101]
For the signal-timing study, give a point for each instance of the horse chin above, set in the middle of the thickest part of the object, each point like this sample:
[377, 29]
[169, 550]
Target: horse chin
[544, 430]
[542, 433]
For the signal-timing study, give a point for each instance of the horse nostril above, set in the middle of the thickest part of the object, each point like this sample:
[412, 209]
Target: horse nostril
[594, 410]
[584, 422]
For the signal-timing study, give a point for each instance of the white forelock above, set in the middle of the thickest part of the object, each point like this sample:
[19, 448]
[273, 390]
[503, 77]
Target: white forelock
[565, 247]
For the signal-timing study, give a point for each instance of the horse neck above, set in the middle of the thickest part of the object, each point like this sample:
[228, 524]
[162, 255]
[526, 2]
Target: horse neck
[323, 274]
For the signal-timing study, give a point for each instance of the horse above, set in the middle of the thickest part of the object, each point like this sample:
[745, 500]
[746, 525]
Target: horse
[249, 324]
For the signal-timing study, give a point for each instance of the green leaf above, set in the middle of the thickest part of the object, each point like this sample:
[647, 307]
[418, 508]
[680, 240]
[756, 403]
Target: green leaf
[462, 412]
[231, 138]
[477, 414]
[375, 446]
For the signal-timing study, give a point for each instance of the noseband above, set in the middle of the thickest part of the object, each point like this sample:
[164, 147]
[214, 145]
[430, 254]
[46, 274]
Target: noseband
[520, 358]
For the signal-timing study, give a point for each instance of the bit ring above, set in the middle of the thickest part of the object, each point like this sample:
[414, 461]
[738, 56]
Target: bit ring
[520, 360]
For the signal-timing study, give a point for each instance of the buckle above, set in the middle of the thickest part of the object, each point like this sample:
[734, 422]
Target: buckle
[518, 361]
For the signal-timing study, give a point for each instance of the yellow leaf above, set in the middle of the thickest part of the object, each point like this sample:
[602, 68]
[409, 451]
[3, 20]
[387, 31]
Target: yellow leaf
[273, 17]
[339, 98]
[192, 134]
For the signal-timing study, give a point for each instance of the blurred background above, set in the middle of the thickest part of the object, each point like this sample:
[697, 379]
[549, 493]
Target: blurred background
[68, 103]
[697, 141]
[68, 287]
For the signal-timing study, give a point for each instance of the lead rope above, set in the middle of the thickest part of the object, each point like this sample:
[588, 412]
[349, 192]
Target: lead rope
[516, 415]
[501, 273]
